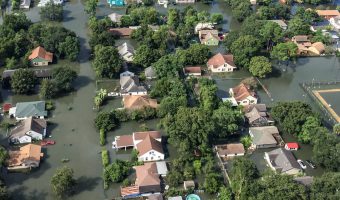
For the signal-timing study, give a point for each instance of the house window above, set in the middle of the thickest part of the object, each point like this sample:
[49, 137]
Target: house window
[151, 157]
[244, 101]
[146, 158]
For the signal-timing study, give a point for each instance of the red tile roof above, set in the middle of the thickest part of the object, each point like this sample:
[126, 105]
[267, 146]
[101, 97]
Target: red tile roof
[241, 92]
[328, 12]
[6, 107]
[292, 145]
[149, 144]
[147, 175]
[123, 32]
[124, 141]
[191, 69]
[219, 59]
[40, 52]
[144, 134]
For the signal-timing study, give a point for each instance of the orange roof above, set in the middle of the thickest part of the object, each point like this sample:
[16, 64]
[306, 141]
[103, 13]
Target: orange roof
[147, 175]
[138, 102]
[219, 59]
[241, 92]
[130, 190]
[148, 144]
[143, 134]
[40, 52]
[328, 12]
[124, 32]
[124, 141]
[27, 152]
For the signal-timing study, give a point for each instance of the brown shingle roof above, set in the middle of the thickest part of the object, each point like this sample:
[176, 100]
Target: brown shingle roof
[230, 149]
[40, 52]
[191, 69]
[122, 32]
[147, 175]
[220, 59]
[319, 46]
[124, 141]
[301, 38]
[27, 152]
[143, 134]
[241, 92]
[37, 125]
[149, 144]
[139, 101]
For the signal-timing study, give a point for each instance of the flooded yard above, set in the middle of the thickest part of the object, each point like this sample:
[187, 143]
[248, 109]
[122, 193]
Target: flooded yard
[72, 121]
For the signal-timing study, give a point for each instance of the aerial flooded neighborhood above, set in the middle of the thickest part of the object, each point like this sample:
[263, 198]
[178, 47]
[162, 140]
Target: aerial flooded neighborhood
[173, 100]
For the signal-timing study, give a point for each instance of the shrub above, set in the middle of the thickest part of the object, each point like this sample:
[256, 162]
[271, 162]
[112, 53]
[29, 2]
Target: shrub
[102, 136]
[105, 158]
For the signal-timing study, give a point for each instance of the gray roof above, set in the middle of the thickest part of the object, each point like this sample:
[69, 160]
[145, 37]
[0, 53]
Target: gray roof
[304, 180]
[263, 135]
[155, 197]
[28, 109]
[130, 84]
[283, 160]
[39, 73]
[256, 111]
[162, 169]
[150, 72]
[175, 198]
[29, 124]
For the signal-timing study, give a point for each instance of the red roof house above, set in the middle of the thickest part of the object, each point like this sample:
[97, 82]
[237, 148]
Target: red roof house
[192, 71]
[40, 57]
[6, 107]
[292, 146]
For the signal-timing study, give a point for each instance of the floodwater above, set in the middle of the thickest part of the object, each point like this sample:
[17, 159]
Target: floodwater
[332, 99]
[72, 121]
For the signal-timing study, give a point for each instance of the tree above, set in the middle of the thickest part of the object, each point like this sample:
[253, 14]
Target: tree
[173, 18]
[173, 87]
[326, 187]
[284, 51]
[106, 121]
[291, 115]
[336, 129]
[207, 94]
[63, 182]
[297, 26]
[227, 120]
[244, 174]
[308, 129]
[145, 56]
[170, 105]
[225, 193]
[212, 182]
[167, 66]
[244, 48]
[3, 157]
[319, 36]
[272, 33]
[174, 178]
[63, 77]
[70, 48]
[230, 38]
[217, 18]
[240, 9]
[52, 12]
[117, 171]
[16, 21]
[104, 38]
[90, 7]
[260, 66]
[126, 21]
[107, 61]
[23, 81]
[196, 54]
[280, 186]
[48, 89]
[3, 191]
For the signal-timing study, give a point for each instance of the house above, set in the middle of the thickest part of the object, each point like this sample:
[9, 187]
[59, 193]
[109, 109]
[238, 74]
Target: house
[129, 84]
[203, 26]
[6, 107]
[39, 73]
[243, 95]
[162, 2]
[328, 14]
[317, 48]
[126, 52]
[26, 157]
[148, 144]
[253, 2]
[189, 184]
[121, 32]
[335, 23]
[282, 161]
[28, 130]
[116, 2]
[303, 43]
[40, 57]
[24, 110]
[25, 4]
[185, 1]
[292, 146]
[230, 150]
[133, 102]
[192, 71]
[150, 73]
[162, 168]
[257, 115]
[147, 181]
[115, 17]
[263, 137]
[221, 63]
[281, 23]
[210, 40]
[155, 197]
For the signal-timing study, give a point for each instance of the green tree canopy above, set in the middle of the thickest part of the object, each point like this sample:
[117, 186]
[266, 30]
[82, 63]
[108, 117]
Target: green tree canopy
[196, 54]
[298, 26]
[145, 56]
[272, 33]
[117, 171]
[48, 89]
[63, 181]
[284, 51]
[63, 77]
[107, 61]
[69, 48]
[244, 48]
[260, 66]
[23, 81]
[90, 7]
[326, 187]
[52, 12]
[106, 121]
[167, 66]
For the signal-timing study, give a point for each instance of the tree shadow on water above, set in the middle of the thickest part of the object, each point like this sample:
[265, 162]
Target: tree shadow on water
[81, 81]
[19, 193]
[86, 184]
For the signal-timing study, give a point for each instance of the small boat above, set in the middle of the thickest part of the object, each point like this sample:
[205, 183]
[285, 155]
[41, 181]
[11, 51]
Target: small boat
[47, 142]
[302, 164]
[65, 160]
[311, 164]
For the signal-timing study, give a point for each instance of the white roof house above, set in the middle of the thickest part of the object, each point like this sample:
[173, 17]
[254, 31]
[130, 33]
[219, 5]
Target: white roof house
[126, 52]
[115, 17]
[335, 22]
[162, 168]
[203, 26]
